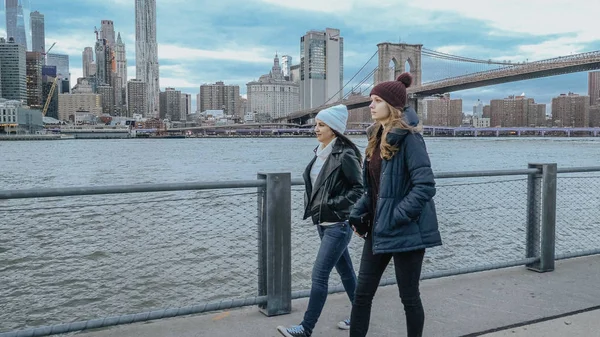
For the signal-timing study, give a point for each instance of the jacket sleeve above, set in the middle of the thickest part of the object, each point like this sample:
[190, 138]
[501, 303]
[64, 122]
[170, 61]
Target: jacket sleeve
[352, 172]
[421, 180]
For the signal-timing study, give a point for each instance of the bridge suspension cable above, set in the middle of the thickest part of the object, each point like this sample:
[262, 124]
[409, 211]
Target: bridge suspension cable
[357, 88]
[444, 56]
[350, 80]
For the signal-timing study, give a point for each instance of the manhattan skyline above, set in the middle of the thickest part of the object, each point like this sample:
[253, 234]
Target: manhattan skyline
[235, 41]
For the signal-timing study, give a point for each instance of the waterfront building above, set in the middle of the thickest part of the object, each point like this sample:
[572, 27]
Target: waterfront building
[170, 104]
[517, 111]
[70, 104]
[594, 87]
[219, 96]
[570, 110]
[272, 94]
[441, 111]
[136, 97]
[18, 118]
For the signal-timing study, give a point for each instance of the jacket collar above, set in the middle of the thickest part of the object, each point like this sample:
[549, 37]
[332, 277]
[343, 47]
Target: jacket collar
[338, 147]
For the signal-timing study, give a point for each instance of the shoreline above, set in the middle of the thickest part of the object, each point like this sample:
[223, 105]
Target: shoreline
[69, 137]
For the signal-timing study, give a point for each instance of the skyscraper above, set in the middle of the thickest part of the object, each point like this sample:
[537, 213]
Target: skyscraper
[38, 34]
[107, 31]
[34, 63]
[321, 67]
[103, 62]
[13, 71]
[121, 58]
[478, 110]
[87, 61]
[61, 61]
[286, 64]
[146, 53]
[16, 13]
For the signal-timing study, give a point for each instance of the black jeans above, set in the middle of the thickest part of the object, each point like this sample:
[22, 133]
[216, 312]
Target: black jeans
[408, 273]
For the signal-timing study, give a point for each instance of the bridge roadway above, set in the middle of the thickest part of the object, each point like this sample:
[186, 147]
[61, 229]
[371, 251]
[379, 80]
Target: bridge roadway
[360, 128]
[518, 72]
[504, 302]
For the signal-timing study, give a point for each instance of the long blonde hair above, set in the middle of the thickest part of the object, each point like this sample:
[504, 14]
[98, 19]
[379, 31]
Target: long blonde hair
[395, 120]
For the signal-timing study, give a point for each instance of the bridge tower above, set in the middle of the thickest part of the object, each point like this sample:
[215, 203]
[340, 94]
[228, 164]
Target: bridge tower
[398, 54]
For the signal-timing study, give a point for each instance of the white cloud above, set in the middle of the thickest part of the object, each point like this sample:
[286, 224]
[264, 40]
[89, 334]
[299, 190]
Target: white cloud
[131, 72]
[331, 6]
[552, 48]
[239, 54]
[179, 82]
[452, 49]
[536, 17]
[76, 72]
[70, 44]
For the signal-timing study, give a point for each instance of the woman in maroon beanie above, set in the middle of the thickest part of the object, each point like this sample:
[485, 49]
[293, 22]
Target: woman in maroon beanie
[396, 214]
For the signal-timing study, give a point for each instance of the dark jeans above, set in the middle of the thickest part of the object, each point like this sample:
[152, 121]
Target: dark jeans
[408, 272]
[333, 252]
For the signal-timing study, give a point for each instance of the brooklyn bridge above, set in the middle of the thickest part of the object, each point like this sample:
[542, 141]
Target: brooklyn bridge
[395, 58]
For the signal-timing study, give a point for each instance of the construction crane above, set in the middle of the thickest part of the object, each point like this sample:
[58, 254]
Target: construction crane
[44, 53]
[53, 87]
[50, 94]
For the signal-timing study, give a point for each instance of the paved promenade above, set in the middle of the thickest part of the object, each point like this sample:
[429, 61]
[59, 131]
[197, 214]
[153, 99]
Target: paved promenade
[507, 302]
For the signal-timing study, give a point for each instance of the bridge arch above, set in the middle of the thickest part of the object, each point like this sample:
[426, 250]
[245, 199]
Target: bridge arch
[401, 55]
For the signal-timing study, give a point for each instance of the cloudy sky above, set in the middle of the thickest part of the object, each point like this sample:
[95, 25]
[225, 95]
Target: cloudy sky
[235, 40]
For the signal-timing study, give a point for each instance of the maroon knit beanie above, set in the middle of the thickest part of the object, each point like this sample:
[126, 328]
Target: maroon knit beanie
[394, 92]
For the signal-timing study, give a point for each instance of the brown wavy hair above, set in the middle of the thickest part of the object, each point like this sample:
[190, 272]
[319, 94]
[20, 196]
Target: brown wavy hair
[394, 121]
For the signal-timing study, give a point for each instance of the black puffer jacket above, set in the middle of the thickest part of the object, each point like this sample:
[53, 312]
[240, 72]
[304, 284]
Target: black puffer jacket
[337, 188]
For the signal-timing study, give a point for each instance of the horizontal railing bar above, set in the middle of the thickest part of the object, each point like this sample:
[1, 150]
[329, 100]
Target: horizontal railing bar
[135, 318]
[492, 173]
[580, 253]
[578, 169]
[119, 189]
[141, 188]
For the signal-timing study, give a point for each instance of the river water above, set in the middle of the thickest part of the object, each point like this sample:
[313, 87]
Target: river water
[76, 258]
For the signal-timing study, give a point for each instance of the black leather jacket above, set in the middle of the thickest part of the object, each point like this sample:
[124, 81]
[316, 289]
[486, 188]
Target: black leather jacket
[337, 188]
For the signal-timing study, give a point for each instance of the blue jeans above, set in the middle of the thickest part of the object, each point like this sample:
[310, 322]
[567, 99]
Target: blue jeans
[333, 252]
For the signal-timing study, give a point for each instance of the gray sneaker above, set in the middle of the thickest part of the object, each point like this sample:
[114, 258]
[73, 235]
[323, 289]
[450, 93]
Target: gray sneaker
[345, 324]
[294, 331]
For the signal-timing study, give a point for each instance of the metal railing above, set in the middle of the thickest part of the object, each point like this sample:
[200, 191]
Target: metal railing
[194, 248]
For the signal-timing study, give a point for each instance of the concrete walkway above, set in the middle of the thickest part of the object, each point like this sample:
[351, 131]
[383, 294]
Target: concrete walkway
[507, 302]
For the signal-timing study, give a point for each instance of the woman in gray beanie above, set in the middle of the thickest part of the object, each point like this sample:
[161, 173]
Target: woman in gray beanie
[333, 181]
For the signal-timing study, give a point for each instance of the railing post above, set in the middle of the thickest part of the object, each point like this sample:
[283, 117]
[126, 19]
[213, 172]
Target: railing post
[541, 217]
[274, 243]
